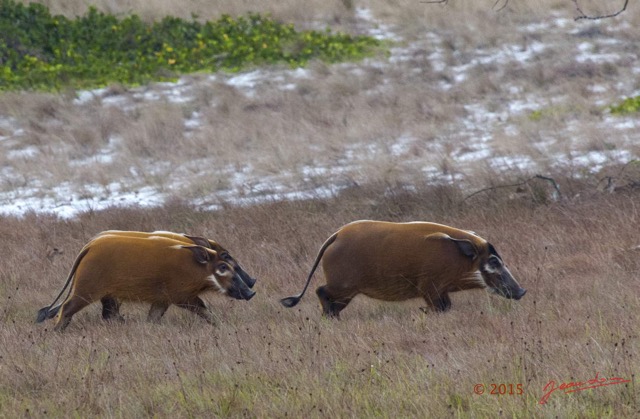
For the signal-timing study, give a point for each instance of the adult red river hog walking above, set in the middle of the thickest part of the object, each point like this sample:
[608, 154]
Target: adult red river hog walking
[398, 261]
[157, 270]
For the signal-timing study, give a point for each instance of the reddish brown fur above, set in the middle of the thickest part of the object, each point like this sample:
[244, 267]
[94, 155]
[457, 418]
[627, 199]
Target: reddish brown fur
[394, 262]
[398, 261]
[166, 234]
[188, 239]
[160, 271]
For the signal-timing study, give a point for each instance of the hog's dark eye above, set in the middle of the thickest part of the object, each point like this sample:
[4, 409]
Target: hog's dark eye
[222, 268]
[226, 256]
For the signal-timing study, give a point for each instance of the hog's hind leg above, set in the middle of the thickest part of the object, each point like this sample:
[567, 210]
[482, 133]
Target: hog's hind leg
[332, 305]
[111, 309]
[70, 307]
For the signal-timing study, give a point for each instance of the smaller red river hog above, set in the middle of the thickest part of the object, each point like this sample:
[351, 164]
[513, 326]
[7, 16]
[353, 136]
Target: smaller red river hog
[111, 306]
[398, 261]
[157, 270]
[187, 238]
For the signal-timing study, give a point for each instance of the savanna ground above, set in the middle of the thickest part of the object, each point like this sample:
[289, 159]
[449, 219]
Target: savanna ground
[579, 258]
[470, 97]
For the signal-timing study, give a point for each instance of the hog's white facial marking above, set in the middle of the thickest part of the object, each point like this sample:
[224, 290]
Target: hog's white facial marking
[493, 265]
[488, 269]
[214, 280]
[477, 277]
[226, 273]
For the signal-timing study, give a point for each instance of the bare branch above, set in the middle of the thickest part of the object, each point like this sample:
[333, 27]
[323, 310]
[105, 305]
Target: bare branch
[583, 15]
[501, 8]
[552, 181]
[613, 182]
[492, 188]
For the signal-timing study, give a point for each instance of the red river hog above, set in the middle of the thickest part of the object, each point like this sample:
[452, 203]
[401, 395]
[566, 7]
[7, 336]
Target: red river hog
[160, 271]
[110, 306]
[398, 261]
[200, 241]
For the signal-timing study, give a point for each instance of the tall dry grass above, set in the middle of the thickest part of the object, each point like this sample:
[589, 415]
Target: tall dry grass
[579, 259]
[409, 12]
[333, 10]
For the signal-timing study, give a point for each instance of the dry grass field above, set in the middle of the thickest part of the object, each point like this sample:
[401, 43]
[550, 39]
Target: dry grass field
[579, 258]
[469, 97]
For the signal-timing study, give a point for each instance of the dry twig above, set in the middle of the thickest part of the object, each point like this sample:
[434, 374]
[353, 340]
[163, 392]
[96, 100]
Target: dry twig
[491, 188]
[613, 181]
[583, 15]
[504, 6]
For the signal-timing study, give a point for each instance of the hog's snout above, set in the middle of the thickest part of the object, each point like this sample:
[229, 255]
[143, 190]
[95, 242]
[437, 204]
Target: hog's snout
[519, 294]
[251, 282]
[512, 294]
[248, 279]
[241, 295]
[249, 295]
[240, 290]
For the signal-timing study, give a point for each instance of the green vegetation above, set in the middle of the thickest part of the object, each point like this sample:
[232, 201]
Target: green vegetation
[41, 51]
[536, 115]
[629, 105]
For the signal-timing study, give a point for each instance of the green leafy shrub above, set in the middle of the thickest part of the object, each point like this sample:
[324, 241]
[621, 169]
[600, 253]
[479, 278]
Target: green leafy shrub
[40, 51]
[629, 105]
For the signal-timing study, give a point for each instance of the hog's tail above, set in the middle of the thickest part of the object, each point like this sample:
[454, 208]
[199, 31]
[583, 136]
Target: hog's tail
[50, 311]
[292, 301]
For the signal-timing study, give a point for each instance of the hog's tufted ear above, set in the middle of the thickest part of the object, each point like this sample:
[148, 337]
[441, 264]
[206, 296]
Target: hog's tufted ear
[466, 248]
[200, 241]
[200, 254]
